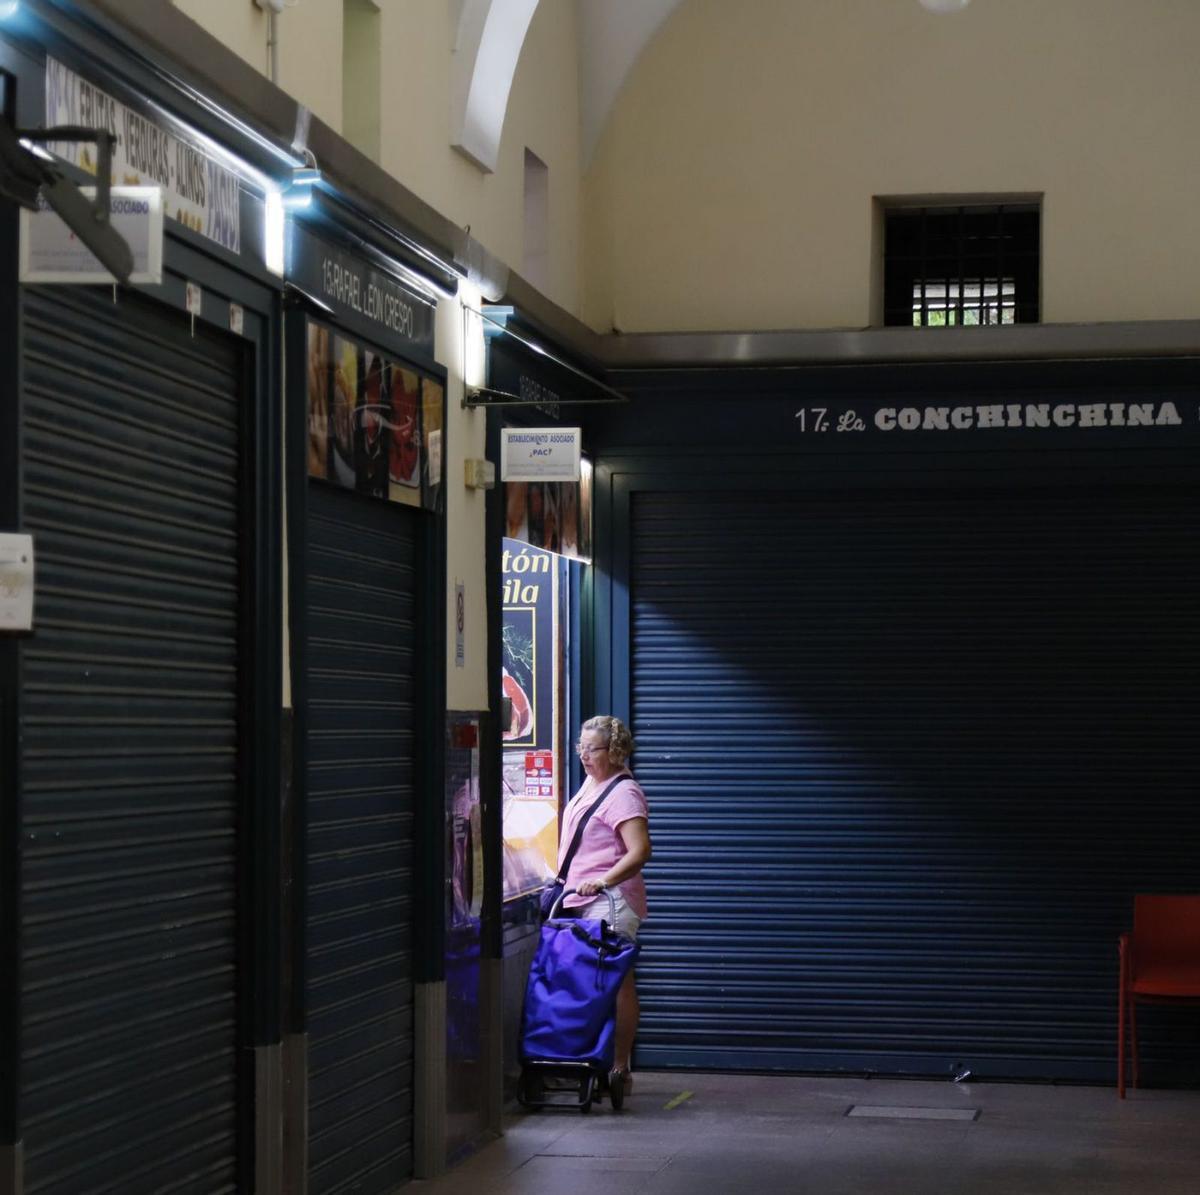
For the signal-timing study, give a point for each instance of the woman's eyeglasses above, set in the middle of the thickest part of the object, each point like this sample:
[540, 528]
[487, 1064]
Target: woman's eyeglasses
[582, 749]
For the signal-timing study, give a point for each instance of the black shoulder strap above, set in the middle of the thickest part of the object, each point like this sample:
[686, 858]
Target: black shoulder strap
[583, 821]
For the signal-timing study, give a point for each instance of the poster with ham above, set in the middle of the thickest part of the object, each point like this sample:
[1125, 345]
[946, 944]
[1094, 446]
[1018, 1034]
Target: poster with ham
[404, 459]
[529, 679]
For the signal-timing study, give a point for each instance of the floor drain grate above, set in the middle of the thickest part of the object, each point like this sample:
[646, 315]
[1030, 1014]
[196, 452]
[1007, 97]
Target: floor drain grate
[905, 1113]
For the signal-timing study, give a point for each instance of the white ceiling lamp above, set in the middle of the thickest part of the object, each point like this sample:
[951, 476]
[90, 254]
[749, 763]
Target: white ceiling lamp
[945, 5]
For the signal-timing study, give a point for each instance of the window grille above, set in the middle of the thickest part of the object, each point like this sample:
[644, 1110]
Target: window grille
[967, 265]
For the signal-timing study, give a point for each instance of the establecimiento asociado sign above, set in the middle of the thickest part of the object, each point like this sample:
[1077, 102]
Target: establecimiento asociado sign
[540, 453]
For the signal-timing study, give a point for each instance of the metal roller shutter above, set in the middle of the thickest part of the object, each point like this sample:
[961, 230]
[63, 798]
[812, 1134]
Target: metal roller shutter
[361, 645]
[909, 755]
[131, 760]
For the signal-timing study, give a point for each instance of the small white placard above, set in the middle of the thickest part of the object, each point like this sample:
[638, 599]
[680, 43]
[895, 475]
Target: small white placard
[460, 624]
[16, 582]
[51, 252]
[237, 318]
[433, 447]
[193, 298]
[540, 453]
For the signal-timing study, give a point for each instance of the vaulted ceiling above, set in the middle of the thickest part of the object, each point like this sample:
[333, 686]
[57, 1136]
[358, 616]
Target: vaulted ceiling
[612, 33]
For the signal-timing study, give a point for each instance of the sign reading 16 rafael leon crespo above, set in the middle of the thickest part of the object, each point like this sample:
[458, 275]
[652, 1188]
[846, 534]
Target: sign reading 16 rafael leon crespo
[368, 296]
[991, 416]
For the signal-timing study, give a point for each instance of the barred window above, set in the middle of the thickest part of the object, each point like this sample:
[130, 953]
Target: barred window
[956, 266]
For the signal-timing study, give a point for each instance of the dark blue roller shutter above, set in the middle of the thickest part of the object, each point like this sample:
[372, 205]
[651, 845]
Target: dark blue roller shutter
[909, 756]
[130, 749]
[361, 644]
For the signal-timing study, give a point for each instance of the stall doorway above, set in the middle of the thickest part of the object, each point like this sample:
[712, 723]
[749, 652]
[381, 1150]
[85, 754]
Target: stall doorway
[909, 753]
[362, 625]
[134, 809]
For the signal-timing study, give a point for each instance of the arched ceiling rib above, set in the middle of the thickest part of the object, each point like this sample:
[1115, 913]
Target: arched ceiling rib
[490, 36]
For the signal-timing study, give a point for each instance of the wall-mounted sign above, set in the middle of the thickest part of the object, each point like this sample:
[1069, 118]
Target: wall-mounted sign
[540, 453]
[366, 299]
[16, 582]
[547, 381]
[199, 192]
[529, 677]
[987, 418]
[374, 424]
[51, 252]
[529, 599]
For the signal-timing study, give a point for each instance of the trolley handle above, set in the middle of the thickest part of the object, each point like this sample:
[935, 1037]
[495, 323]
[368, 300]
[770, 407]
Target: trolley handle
[612, 906]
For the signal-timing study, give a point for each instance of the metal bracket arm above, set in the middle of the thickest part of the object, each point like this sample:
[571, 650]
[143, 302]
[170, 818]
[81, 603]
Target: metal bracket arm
[484, 396]
[104, 142]
[87, 219]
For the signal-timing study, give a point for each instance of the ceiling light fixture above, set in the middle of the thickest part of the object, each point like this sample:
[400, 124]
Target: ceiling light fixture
[945, 5]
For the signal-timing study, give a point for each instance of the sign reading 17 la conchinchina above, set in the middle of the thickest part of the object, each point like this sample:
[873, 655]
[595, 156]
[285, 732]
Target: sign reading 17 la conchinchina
[986, 417]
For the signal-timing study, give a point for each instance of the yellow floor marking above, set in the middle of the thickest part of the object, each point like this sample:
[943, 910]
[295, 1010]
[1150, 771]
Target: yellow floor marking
[682, 1097]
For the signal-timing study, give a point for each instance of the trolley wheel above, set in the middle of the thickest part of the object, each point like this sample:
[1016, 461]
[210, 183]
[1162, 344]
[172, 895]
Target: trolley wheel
[616, 1089]
[530, 1088]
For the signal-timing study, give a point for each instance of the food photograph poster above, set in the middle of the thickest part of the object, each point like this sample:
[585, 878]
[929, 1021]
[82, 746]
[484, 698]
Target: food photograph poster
[529, 680]
[374, 424]
[554, 515]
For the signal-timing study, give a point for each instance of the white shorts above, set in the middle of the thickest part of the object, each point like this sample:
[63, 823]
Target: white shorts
[600, 910]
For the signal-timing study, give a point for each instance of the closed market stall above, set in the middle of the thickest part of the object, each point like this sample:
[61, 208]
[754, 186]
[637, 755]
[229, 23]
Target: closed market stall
[142, 456]
[131, 742]
[370, 405]
[913, 702]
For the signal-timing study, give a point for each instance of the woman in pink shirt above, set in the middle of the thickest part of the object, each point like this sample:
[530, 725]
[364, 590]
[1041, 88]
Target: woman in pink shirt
[614, 848]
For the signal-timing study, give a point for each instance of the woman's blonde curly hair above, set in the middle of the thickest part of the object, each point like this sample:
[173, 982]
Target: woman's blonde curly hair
[616, 734]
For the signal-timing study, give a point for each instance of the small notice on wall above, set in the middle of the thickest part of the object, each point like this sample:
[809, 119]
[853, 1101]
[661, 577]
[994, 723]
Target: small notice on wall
[539, 774]
[460, 624]
[16, 582]
[540, 453]
[51, 252]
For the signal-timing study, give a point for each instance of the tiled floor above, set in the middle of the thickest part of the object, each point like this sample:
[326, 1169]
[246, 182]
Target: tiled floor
[769, 1135]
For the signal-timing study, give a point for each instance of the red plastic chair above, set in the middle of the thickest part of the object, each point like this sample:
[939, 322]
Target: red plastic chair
[1160, 963]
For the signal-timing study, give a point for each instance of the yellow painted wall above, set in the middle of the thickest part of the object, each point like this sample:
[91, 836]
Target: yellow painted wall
[543, 114]
[460, 348]
[310, 46]
[310, 57]
[239, 24]
[733, 184]
[416, 48]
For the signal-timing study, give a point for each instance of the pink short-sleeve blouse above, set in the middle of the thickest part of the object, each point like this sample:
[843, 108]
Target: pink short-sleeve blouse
[602, 846]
